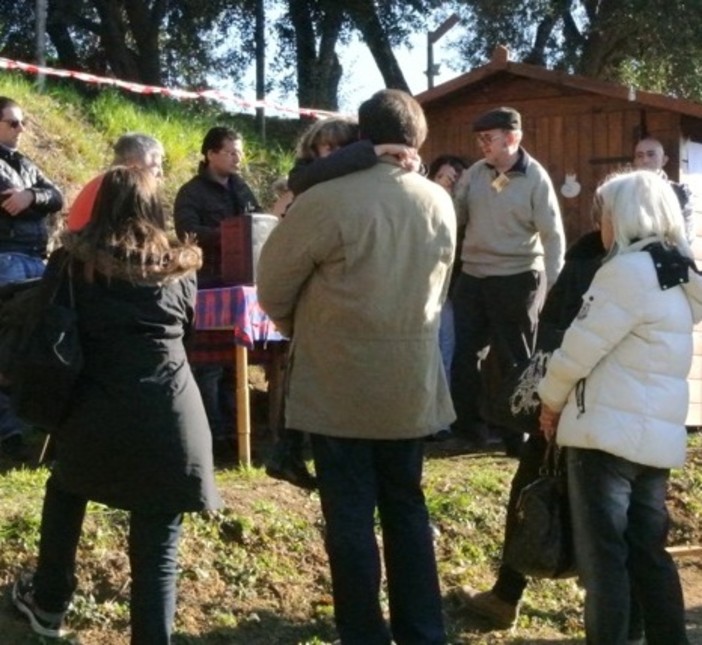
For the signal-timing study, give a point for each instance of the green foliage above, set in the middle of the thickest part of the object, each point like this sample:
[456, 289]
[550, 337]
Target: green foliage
[651, 44]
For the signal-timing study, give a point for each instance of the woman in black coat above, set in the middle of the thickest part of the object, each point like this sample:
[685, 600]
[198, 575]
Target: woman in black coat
[137, 436]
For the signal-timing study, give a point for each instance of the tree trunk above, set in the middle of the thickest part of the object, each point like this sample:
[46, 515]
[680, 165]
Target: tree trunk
[113, 32]
[57, 24]
[604, 40]
[145, 26]
[365, 18]
[318, 75]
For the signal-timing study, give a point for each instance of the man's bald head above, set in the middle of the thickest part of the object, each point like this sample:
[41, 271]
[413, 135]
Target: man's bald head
[649, 155]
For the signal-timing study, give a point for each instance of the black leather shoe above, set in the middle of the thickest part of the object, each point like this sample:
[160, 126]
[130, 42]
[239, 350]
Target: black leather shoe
[442, 435]
[293, 472]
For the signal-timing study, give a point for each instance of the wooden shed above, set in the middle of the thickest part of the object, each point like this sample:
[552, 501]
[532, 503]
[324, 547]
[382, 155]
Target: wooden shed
[580, 129]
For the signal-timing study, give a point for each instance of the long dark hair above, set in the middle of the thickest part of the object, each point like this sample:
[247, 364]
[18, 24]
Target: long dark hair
[126, 236]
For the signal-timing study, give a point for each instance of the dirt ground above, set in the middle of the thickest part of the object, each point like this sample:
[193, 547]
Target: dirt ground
[282, 614]
[691, 576]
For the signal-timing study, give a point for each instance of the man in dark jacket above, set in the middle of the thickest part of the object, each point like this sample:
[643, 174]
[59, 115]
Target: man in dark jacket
[650, 155]
[217, 192]
[26, 198]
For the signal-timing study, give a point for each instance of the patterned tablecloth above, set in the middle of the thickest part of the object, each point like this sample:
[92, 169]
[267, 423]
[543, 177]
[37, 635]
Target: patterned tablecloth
[226, 317]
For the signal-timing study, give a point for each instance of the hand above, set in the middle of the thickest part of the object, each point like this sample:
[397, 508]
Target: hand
[548, 422]
[447, 177]
[407, 156]
[17, 200]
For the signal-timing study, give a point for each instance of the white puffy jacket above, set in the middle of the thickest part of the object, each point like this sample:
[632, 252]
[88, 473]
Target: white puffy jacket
[620, 376]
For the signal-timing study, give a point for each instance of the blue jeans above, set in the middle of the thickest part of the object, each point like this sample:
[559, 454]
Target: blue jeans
[153, 555]
[15, 267]
[620, 525]
[355, 476]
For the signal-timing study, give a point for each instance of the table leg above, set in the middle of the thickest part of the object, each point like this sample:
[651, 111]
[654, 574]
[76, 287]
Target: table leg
[243, 413]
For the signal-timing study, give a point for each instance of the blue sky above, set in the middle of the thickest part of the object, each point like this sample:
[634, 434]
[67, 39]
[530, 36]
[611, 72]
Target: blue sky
[362, 78]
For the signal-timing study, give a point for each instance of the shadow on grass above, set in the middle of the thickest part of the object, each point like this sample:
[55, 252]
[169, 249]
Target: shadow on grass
[268, 628]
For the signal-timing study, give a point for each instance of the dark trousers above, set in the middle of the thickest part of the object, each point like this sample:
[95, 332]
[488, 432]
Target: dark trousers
[510, 583]
[355, 477]
[153, 555]
[620, 525]
[498, 313]
[288, 449]
[216, 386]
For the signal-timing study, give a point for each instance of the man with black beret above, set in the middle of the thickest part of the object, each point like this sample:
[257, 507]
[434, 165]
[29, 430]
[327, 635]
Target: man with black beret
[512, 252]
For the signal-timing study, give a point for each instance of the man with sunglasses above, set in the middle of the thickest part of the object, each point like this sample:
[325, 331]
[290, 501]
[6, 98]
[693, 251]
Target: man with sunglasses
[512, 252]
[26, 198]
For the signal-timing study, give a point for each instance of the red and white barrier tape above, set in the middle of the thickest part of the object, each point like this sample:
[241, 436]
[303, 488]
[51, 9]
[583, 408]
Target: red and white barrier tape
[138, 88]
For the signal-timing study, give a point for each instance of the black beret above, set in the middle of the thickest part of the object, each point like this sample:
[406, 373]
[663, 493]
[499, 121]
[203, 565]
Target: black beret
[502, 118]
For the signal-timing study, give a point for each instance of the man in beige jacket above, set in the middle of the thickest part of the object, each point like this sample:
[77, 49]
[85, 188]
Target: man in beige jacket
[356, 274]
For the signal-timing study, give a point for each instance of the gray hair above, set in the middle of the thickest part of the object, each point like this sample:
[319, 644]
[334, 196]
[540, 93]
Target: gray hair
[133, 148]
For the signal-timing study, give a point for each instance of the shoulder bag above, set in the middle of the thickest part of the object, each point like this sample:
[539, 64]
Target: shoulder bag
[40, 351]
[541, 543]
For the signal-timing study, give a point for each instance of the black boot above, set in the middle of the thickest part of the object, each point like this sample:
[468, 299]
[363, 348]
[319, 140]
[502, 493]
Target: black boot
[286, 462]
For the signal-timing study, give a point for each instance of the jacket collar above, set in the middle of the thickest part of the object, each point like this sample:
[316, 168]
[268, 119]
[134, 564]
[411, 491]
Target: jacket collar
[519, 166]
[9, 154]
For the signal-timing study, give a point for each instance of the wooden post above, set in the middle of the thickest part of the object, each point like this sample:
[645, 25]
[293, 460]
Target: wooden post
[243, 415]
[686, 551]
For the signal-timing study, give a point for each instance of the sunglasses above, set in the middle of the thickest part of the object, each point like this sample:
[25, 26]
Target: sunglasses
[14, 123]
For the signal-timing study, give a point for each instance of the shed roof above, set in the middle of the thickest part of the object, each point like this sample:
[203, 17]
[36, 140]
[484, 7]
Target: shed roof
[500, 65]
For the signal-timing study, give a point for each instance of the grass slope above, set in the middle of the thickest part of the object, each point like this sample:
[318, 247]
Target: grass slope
[70, 134]
[256, 573]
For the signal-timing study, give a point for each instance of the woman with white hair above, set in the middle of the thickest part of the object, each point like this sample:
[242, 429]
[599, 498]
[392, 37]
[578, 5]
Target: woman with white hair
[616, 395]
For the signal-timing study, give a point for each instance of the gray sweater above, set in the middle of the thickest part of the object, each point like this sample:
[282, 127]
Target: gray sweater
[513, 225]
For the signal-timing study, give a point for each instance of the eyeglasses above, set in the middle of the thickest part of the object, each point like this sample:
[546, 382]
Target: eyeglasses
[13, 123]
[230, 153]
[486, 138]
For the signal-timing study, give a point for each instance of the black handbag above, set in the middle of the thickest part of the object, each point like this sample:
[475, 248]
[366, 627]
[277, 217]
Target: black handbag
[541, 543]
[40, 352]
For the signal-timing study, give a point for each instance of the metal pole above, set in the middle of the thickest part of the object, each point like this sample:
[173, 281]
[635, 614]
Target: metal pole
[41, 9]
[432, 37]
[261, 66]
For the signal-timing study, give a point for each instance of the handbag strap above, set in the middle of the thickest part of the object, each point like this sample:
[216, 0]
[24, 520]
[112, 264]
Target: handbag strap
[552, 461]
[71, 294]
[53, 281]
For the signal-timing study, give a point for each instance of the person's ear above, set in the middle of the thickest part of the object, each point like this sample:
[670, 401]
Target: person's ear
[664, 161]
[511, 137]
